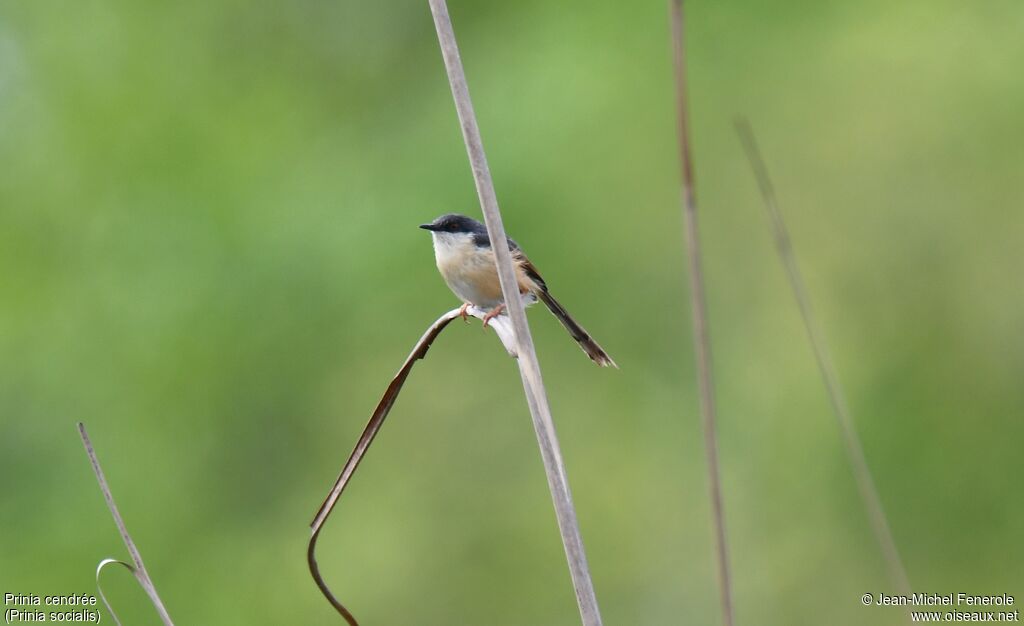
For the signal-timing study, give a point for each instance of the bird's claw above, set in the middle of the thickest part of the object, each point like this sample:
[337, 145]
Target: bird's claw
[496, 311]
[463, 314]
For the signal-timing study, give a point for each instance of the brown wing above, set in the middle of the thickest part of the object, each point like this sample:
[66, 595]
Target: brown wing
[530, 281]
[527, 275]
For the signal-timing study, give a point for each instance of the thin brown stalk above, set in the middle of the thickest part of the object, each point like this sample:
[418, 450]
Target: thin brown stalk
[529, 368]
[698, 304]
[380, 412]
[362, 445]
[139, 569]
[854, 449]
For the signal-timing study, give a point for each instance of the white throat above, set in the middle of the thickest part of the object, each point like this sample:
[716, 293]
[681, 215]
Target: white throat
[450, 248]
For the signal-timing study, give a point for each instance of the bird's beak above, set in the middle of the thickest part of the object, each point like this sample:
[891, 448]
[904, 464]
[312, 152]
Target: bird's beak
[428, 227]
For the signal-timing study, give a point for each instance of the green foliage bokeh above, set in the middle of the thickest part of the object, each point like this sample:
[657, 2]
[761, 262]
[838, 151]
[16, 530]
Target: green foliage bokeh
[209, 254]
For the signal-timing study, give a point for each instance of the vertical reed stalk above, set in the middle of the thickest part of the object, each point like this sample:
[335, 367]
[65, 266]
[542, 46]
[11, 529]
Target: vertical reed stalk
[529, 368]
[698, 303]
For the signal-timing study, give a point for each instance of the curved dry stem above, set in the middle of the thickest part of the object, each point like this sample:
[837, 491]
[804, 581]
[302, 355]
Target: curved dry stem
[501, 327]
[139, 569]
[99, 587]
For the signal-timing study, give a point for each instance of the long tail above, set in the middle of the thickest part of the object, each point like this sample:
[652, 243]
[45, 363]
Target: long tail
[582, 337]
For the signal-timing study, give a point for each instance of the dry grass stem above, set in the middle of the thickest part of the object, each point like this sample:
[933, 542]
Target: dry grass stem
[501, 327]
[99, 587]
[855, 451]
[529, 368]
[139, 569]
[700, 316]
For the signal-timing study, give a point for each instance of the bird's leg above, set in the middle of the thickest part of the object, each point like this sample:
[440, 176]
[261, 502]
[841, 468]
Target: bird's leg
[496, 311]
[462, 312]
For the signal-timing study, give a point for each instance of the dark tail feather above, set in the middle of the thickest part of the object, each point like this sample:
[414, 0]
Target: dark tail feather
[582, 337]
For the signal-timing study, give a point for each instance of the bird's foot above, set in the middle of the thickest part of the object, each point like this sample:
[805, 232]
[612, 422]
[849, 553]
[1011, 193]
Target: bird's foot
[496, 311]
[462, 312]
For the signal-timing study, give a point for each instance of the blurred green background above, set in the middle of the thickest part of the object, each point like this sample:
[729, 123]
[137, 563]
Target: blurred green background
[209, 254]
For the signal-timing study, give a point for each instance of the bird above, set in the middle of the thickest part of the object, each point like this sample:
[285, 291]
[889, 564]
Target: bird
[465, 258]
